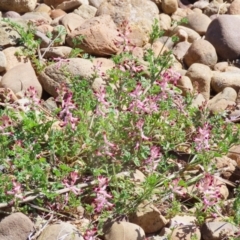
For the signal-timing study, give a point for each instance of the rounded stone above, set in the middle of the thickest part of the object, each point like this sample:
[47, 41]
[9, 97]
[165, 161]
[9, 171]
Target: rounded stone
[201, 51]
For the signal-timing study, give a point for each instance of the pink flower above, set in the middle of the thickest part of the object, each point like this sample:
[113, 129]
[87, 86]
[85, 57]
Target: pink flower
[16, 190]
[202, 138]
[60, 61]
[90, 234]
[153, 160]
[209, 189]
[176, 189]
[67, 107]
[139, 125]
[102, 199]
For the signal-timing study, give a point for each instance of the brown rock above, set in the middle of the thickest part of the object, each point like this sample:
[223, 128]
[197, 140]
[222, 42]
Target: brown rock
[198, 22]
[16, 226]
[53, 3]
[201, 51]
[234, 8]
[71, 21]
[123, 230]
[20, 78]
[56, 13]
[186, 232]
[169, 6]
[86, 11]
[148, 217]
[19, 6]
[200, 76]
[53, 76]
[100, 36]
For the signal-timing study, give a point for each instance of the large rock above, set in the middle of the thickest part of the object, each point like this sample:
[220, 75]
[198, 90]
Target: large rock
[169, 6]
[16, 226]
[20, 6]
[221, 80]
[223, 33]
[217, 230]
[100, 36]
[139, 14]
[201, 51]
[198, 22]
[123, 230]
[234, 8]
[53, 3]
[62, 230]
[12, 59]
[222, 100]
[20, 78]
[53, 75]
[200, 76]
[148, 217]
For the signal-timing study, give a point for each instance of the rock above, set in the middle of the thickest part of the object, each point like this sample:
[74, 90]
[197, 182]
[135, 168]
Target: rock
[7, 95]
[71, 21]
[169, 6]
[37, 17]
[86, 11]
[191, 35]
[186, 232]
[95, 3]
[57, 13]
[221, 80]
[148, 217]
[55, 52]
[201, 4]
[20, 78]
[19, 6]
[180, 14]
[61, 230]
[123, 230]
[201, 51]
[12, 59]
[182, 220]
[16, 226]
[234, 153]
[53, 76]
[165, 22]
[234, 8]
[200, 76]
[220, 66]
[100, 36]
[8, 36]
[180, 49]
[185, 84]
[139, 14]
[198, 22]
[232, 69]
[69, 5]
[198, 101]
[223, 34]
[11, 14]
[103, 65]
[53, 3]
[43, 8]
[217, 230]
[3, 62]
[222, 100]
[227, 167]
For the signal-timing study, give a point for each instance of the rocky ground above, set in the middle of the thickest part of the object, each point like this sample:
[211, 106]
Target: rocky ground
[206, 55]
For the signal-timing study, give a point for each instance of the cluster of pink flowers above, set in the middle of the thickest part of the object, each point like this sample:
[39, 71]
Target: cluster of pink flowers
[16, 190]
[202, 138]
[65, 96]
[147, 105]
[209, 189]
[176, 189]
[153, 160]
[101, 201]
[5, 125]
[70, 183]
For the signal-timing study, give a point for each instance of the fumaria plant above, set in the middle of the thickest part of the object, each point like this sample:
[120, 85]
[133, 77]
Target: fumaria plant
[137, 120]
